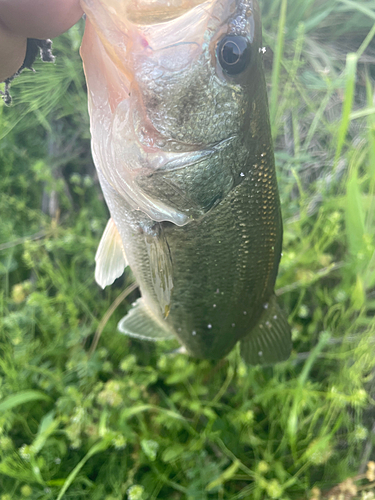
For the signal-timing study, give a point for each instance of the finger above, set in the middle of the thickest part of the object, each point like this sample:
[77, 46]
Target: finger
[39, 18]
[12, 53]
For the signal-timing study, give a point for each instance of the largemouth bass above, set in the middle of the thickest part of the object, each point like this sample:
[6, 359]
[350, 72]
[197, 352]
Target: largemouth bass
[182, 144]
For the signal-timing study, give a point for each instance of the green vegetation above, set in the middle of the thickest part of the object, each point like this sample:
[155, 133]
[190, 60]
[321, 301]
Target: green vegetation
[127, 420]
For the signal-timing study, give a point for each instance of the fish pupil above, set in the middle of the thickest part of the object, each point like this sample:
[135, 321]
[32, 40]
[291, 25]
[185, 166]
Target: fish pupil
[233, 53]
[230, 52]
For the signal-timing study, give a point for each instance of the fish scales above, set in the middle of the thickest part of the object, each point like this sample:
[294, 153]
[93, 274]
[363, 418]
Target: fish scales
[182, 143]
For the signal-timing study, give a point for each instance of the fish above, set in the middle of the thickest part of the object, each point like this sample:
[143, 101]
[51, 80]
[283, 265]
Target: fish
[182, 145]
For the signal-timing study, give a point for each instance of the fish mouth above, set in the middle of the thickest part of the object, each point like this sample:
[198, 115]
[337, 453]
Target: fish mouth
[150, 12]
[147, 12]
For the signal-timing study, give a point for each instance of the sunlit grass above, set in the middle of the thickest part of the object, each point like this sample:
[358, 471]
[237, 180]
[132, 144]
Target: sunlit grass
[126, 420]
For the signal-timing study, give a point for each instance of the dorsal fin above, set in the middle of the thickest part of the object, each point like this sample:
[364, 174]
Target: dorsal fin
[110, 257]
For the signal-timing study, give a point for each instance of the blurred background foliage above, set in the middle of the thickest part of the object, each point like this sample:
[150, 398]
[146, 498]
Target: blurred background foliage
[127, 420]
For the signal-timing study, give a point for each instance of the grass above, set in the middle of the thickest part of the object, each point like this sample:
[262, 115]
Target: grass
[125, 420]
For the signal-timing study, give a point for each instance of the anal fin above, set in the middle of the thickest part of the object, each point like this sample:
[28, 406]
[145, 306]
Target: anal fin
[141, 323]
[270, 341]
[110, 257]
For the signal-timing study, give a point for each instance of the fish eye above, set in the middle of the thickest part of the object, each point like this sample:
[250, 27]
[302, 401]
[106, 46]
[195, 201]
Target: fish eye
[233, 53]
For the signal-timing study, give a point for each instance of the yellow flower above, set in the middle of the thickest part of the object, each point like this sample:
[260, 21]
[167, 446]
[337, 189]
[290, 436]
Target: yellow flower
[315, 493]
[370, 474]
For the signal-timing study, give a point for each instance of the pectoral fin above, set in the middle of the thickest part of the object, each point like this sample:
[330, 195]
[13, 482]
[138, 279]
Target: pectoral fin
[161, 266]
[110, 257]
[270, 341]
[141, 323]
